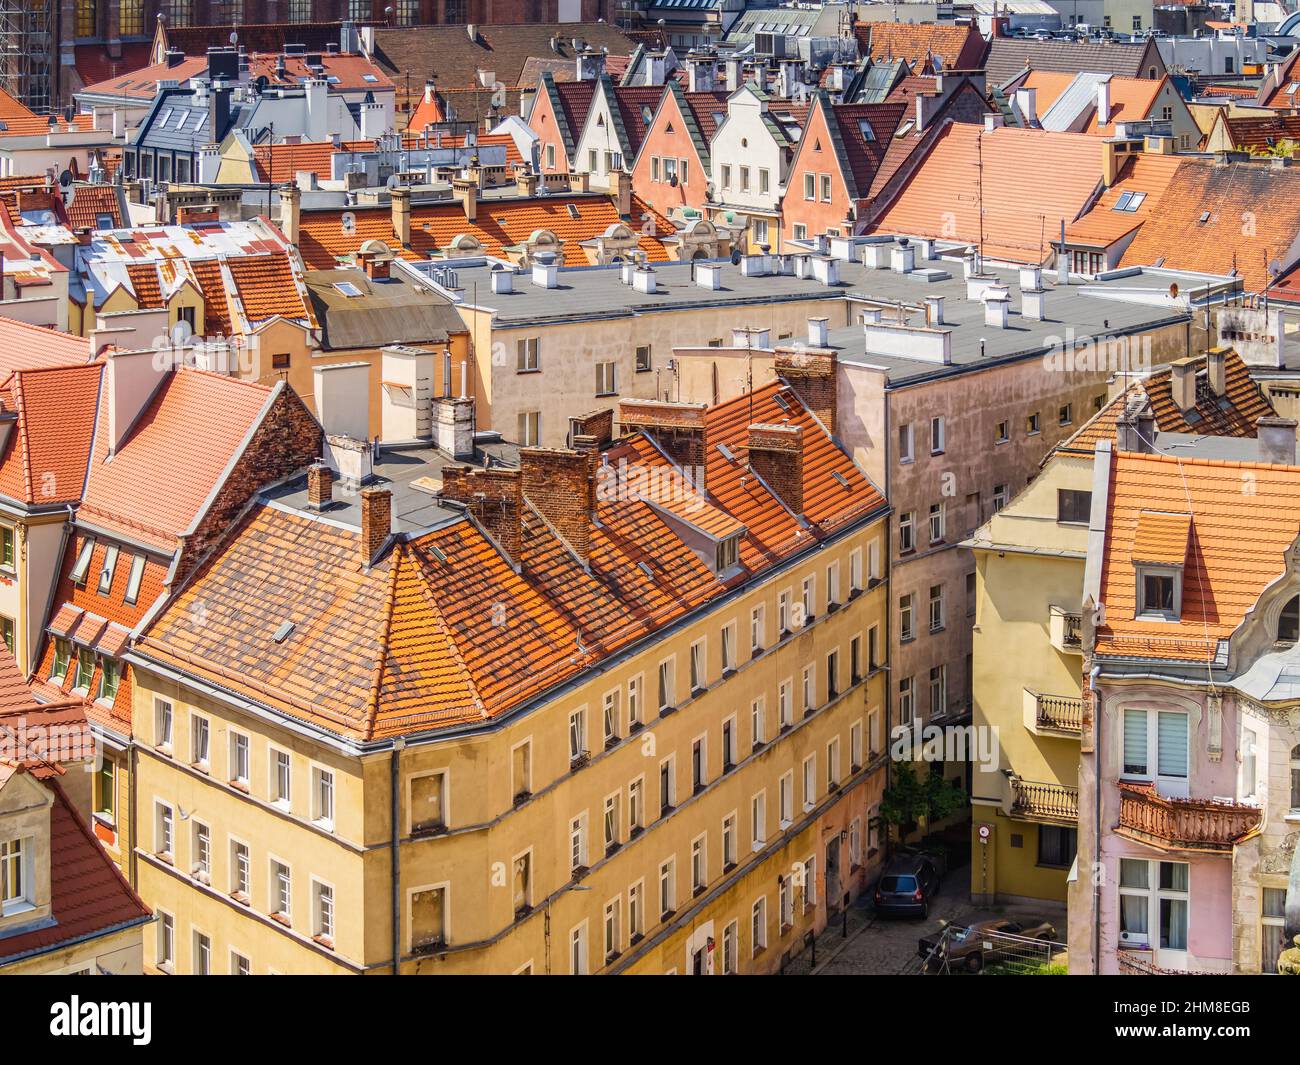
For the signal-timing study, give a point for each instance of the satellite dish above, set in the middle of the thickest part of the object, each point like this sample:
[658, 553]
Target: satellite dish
[65, 179]
[1173, 290]
[234, 37]
[261, 83]
[392, 182]
[181, 332]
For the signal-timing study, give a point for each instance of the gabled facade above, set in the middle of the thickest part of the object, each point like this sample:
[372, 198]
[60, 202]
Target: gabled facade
[616, 124]
[673, 166]
[558, 115]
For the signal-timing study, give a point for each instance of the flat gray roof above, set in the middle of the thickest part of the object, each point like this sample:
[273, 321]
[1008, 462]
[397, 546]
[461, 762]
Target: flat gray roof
[412, 474]
[1121, 302]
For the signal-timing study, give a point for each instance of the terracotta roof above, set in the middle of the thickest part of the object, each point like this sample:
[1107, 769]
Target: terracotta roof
[1131, 99]
[285, 161]
[122, 495]
[499, 223]
[92, 62]
[145, 284]
[632, 102]
[216, 296]
[26, 347]
[407, 644]
[267, 286]
[88, 893]
[427, 112]
[1259, 135]
[1030, 180]
[861, 156]
[1236, 413]
[1235, 547]
[44, 460]
[350, 70]
[958, 47]
[1147, 175]
[708, 108]
[90, 202]
[1276, 91]
[1199, 224]
[1161, 538]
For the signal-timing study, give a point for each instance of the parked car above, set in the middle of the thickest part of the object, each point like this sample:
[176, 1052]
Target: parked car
[936, 852]
[965, 947]
[907, 886]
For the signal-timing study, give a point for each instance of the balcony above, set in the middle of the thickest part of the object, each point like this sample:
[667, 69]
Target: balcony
[1066, 630]
[1208, 826]
[1053, 715]
[1053, 804]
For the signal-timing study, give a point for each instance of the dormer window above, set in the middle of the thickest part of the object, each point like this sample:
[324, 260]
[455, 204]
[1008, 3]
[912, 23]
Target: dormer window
[16, 878]
[1159, 593]
[82, 566]
[728, 553]
[1288, 625]
[1160, 545]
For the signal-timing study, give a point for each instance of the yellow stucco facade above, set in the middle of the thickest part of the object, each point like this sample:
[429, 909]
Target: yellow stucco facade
[512, 858]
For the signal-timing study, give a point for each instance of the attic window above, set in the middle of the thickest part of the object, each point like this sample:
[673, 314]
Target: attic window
[644, 567]
[368, 77]
[437, 552]
[133, 581]
[726, 452]
[1293, 88]
[1159, 592]
[864, 127]
[1130, 201]
[347, 288]
[573, 210]
[106, 570]
[781, 402]
[905, 128]
[728, 553]
[83, 562]
[840, 479]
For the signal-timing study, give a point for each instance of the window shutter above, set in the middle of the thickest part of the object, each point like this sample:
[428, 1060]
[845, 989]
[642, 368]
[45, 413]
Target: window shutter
[1135, 741]
[1172, 735]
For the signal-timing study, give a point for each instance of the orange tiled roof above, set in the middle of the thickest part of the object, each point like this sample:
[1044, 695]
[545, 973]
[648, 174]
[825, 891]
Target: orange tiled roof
[958, 47]
[1262, 134]
[216, 296]
[25, 347]
[44, 460]
[1235, 547]
[89, 202]
[1246, 404]
[1161, 537]
[267, 287]
[498, 224]
[88, 893]
[145, 284]
[427, 112]
[408, 642]
[1032, 180]
[1199, 223]
[1131, 99]
[1149, 175]
[122, 495]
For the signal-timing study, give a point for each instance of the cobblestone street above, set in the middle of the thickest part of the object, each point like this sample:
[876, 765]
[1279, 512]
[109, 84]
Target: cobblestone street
[887, 946]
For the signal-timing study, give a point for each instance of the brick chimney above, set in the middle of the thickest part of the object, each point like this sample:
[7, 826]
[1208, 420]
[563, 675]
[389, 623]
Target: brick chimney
[596, 424]
[376, 268]
[678, 428]
[620, 190]
[320, 486]
[376, 521]
[812, 376]
[776, 455]
[494, 498]
[401, 203]
[561, 486]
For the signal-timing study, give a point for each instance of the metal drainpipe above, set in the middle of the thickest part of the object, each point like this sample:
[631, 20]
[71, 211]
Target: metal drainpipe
[1096, 823]
[395, 842]
[134, 757]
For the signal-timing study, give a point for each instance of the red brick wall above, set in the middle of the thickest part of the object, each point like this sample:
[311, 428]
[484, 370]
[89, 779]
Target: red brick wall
[287, 440]
[776, 455]
[812, 375]
[561, 485]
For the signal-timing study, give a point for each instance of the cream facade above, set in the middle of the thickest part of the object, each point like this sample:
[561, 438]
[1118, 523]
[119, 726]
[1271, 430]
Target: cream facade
[515, 857]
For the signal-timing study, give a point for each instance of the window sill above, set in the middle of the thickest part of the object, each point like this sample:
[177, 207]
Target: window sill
[281, 919]
[323, 941]
[239, 897]
[523, 372]
[240, 786]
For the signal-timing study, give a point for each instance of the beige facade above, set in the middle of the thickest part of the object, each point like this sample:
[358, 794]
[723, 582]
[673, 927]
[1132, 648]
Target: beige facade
[504, 862]
[28, 568]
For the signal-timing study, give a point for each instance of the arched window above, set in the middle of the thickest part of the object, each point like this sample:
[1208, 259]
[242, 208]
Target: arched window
[1288, 625]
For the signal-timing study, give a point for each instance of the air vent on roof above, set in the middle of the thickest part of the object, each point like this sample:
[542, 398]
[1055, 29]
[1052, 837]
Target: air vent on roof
[282, 633]
[645, 568]
[726, 452]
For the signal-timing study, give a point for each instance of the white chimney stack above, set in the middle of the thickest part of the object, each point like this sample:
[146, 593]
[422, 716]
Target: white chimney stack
[503, 279]
[708, 275]
[1103, 104]
[934, 310]
[818, 332]
[1027, 105]
[643, 279]
[902, 259]
[545, 273]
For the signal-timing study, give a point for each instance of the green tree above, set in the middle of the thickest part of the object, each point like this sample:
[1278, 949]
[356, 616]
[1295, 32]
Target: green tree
[909, 799]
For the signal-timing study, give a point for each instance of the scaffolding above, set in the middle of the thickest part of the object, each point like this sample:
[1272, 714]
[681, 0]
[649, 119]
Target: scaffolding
[27, 51]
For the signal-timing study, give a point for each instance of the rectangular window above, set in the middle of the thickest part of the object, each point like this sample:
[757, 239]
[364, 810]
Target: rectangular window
[938, 523]
[729, 949]
[729, 851]
[281, 890]
[280, 778]
[578, 951]
[758, 722]
[906, 535]
[936, 607]
[758, 820]
[1073, 506]
[728, 744]
[239, 759]
[15, 873]
[240, 871]
[429, 796]
[82, 565]
[634, 712]
[906, 707]
[785, 800]
[610, 717]
[577, 737]
[610, 823]
[757, 629]
[936, 435]
[613, 937]
[105, 798]
[322, 797]
[202, 954]
[428, 919]
[699, 669]
[667, 686]
[110, 676]
[758, 926]
[164, 831]
[578, 843]
[665, 786]
[6, 547]
[1001, 496]
[166, 951]
[905, 443]
[530, 428]
[636, 910]
[728, 644]
[699, 866]
[239, 965]
[528, 354]
[809, 187]
[667, 889]
[810, 782]
[643, 359]
[85, 668]
[906, 623]
[605, 380]
[202, 852]
[162, 723]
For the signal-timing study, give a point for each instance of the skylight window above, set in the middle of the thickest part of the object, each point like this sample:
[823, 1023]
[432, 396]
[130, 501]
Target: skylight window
[106, 570]
[840, 478]
[83, 562]
[726, 452]
[368, 77]
[347, 288]
[864, 127]
[573, 210]
[133, 581]
[1130, 201]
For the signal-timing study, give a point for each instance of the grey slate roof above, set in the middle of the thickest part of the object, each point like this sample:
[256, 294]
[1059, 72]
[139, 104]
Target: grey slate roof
[1009, 56]
[394, 311]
